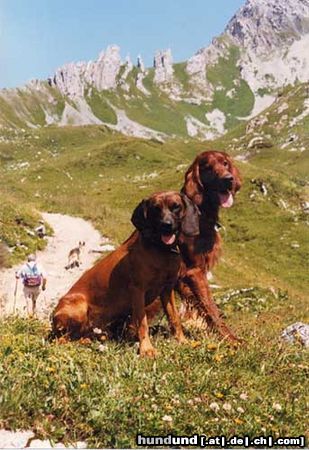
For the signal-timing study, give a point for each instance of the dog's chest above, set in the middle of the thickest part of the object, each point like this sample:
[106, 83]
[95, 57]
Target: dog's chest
[154, 268]
[163, 271]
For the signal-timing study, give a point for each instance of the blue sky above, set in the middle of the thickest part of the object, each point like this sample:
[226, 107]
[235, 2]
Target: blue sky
[37, 36]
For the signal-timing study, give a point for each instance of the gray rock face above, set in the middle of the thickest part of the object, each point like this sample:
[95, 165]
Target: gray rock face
[72, 79]
[163, 65]
[128, 66]
[104, 71]
[197, 64]
[164, 75]
[69, 79]
[264, 25]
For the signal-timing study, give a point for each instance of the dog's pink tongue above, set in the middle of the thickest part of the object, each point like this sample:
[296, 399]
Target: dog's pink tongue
[226, 200]
[168, 239]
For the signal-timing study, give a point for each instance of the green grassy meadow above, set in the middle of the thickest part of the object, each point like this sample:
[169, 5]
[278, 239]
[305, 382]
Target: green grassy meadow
[103, 392]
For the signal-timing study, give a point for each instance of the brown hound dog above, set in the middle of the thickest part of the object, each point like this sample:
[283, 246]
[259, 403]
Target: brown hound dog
[143, 268]
[211, 182]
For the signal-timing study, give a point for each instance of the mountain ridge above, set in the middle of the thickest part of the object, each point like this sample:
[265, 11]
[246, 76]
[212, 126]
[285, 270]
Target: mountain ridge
[262, 49]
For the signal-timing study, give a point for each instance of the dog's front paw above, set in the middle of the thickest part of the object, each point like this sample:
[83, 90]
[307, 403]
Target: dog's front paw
[181, 339]
[148, 352]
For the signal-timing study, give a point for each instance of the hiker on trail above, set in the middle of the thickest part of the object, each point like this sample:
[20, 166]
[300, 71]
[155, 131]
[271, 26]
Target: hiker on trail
[34, 280]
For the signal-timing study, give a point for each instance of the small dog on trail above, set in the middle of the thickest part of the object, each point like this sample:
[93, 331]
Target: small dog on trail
[74, 256]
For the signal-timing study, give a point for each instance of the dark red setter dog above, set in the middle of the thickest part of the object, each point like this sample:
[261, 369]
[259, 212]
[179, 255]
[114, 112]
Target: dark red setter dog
[211, 182]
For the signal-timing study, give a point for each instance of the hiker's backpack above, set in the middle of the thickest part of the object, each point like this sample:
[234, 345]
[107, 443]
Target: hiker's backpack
[32, 278]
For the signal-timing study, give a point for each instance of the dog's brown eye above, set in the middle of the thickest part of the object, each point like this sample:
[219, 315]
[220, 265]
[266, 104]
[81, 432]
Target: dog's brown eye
[175, 207]
[225, 163]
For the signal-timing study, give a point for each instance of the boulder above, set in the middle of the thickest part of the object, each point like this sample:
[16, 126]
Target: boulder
[297, 332]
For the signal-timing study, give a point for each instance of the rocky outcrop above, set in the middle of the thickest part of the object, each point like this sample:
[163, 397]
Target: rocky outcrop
[103, 73]
[163, 65]
[72, 79]
[164, 75]
[140, 76]
[297, 332]
[127, 67]
[69, 79]
[131, 128]
[197, 65]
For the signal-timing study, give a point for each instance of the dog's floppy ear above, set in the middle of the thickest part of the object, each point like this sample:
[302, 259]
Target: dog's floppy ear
[139, 216]
[190, 225]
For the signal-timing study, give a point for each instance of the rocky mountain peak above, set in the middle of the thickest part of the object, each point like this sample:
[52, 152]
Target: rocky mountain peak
[267, 25]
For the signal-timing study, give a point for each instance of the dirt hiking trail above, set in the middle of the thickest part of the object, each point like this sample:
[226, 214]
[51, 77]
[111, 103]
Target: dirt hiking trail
[68, 231]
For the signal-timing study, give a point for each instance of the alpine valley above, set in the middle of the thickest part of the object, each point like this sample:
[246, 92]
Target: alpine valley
[96, 138]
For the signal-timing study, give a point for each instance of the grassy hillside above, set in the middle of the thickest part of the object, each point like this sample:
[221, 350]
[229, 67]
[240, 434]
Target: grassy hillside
[88, 171]
[17, 230]
[107, 394]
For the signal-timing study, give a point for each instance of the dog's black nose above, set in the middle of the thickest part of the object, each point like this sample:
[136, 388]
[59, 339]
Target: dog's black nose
[166, 225]
[228, 180]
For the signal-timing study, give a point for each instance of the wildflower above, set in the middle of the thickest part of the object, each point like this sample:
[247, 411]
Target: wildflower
[211, 346]
[214, 406]
[243, 396]
[227, 406]
[85, 341]
[155, 407]
[238, 421]
[195, 344]
[218, 358]
[51, 369]
[50, 417]
[277, 406]
[219, 395]
[167, 419]
[190, 402]
[240, 410]
[97, 331]
[83, 386]
[102, 348]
